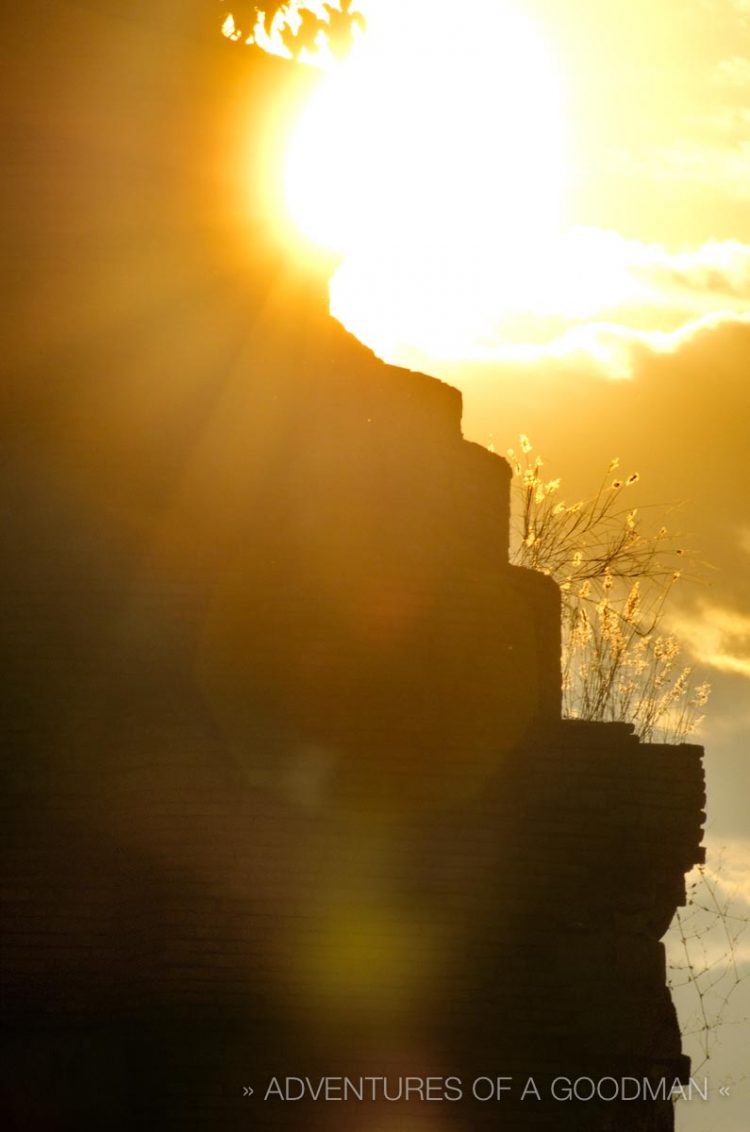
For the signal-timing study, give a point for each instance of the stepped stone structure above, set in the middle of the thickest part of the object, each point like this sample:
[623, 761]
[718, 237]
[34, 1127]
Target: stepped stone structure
[290, 795]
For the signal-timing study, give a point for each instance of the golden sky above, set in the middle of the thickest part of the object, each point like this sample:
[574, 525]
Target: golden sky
[545, 203]
[580, 186]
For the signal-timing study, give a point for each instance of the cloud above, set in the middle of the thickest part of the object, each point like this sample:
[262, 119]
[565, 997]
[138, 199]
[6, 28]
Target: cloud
[718, 166]
[728, 866]
[610, 348]
[717, 267]
[734, 9]
[717, 636]
[591, 298]
[734, 72]
[667, 300]
[708, 153]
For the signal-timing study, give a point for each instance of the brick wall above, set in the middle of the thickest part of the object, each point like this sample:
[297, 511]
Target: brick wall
[286, 787]
[307, 803]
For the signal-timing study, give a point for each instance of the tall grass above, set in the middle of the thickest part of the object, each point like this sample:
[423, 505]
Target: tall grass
[617, 572]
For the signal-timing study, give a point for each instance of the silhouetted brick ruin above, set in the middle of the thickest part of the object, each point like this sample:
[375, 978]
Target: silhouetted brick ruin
[290, 792]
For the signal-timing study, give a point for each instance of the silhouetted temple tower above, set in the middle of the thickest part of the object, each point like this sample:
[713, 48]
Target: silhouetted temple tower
[292, 795]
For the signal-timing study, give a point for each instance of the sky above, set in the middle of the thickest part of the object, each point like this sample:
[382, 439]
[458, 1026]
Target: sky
[565, 236]
[561, 230]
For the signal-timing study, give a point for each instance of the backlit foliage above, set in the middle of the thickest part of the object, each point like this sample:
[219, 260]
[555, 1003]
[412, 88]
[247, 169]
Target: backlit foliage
[616, 574]
[310, 31]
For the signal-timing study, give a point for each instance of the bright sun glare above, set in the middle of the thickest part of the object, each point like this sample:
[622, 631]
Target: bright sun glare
[434, 161]
[435, 126]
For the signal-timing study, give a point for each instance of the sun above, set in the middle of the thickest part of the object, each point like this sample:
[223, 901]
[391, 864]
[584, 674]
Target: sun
[438, 146]
[433, 122]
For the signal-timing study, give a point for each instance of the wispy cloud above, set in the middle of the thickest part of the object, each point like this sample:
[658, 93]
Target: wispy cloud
[728, 865]
[593, 298]
[611, 348]
[718, 637]
[719, 166]
[734, 72]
